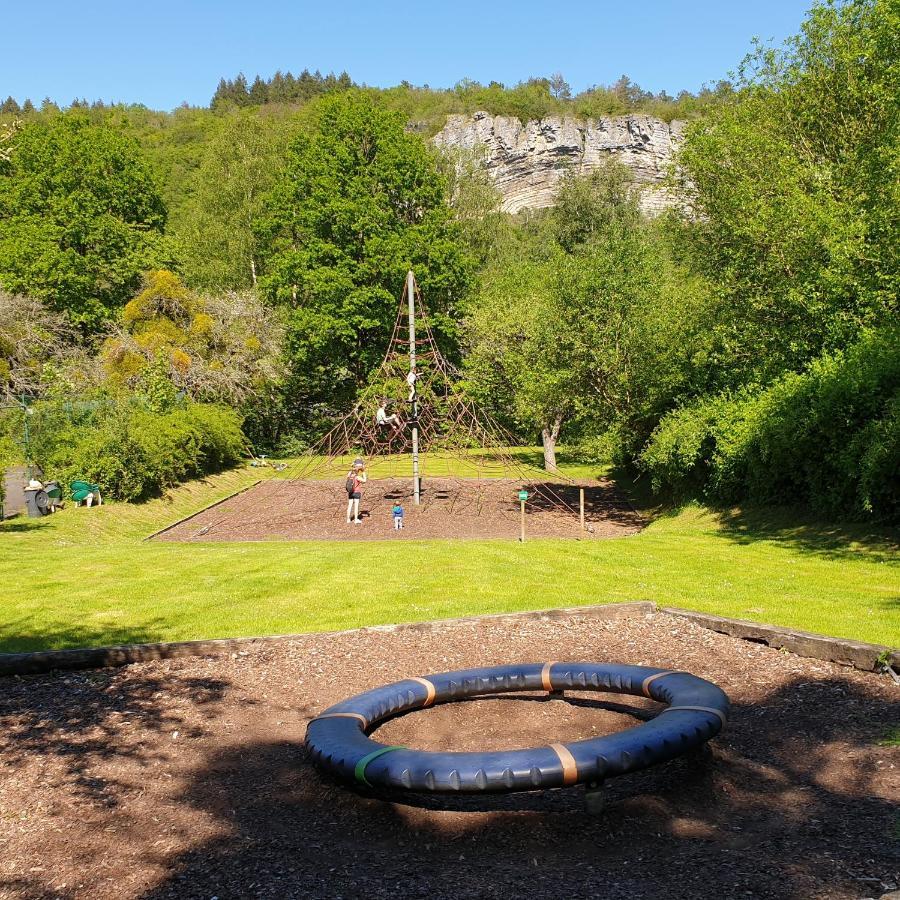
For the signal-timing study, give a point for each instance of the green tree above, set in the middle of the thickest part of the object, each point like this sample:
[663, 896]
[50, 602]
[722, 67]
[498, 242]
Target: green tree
[358, 203]
[584, 323]
[217, 244]
[794, 190]
[80, 218]
[601, 202]
[521, 356]
[474, 200]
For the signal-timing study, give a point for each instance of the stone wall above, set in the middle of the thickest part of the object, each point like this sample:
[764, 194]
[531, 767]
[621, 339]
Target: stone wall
[526, 162]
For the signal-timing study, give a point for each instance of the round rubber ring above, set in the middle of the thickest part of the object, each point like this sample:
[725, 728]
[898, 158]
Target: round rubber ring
[337, 743]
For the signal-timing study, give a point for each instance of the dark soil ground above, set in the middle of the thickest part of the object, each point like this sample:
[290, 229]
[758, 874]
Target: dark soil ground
[285, 509]
[187, 778]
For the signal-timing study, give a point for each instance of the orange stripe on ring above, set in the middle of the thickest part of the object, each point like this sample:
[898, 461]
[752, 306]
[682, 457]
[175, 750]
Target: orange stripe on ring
[570, 769]
[428, 687]
[646, 682]
[545, 677]
[344, 716]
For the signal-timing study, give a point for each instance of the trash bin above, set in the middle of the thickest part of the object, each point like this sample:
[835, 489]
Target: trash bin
[36, 502]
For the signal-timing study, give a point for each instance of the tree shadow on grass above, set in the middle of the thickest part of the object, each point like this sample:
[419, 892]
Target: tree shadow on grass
[799, 530]
[22, 525]
[533, 457]
[793, 526]
[30, 633]
[789, 803]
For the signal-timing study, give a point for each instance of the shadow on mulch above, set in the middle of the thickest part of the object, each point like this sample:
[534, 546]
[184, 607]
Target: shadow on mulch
[451, 508]
[724, 823]
[85, 722]
[742, 818]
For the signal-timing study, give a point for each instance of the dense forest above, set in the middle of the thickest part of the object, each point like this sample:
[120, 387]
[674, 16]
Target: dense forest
[177, 287]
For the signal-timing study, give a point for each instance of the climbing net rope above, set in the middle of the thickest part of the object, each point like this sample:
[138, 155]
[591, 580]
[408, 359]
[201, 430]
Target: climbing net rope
[459, 444]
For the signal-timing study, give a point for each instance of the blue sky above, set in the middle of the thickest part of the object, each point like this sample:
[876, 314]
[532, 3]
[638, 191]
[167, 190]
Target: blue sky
[166, 52]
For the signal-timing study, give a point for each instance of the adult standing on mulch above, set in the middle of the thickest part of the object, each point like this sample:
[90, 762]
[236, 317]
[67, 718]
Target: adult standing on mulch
[356, 478]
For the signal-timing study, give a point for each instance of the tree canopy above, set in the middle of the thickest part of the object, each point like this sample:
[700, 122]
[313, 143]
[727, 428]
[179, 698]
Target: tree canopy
[358, 203]
[80, 218]
[217, 244]
[794, 189]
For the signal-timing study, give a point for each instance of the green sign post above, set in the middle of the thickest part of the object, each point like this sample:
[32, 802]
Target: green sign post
[523, 496]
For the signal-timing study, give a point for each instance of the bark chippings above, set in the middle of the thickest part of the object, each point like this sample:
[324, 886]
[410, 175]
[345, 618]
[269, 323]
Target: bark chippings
[293, 509]
[185, 778]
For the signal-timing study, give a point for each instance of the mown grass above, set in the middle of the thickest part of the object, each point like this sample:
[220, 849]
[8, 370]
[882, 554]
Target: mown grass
[87, 577]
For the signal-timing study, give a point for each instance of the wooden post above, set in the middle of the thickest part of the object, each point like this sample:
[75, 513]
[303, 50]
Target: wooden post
[581, 506]
[522, 523]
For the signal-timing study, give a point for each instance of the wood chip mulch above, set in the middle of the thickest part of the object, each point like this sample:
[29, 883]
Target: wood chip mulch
[292, 509]
[187, 779]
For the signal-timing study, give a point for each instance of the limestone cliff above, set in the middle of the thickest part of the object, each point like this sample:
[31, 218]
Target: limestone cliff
[526, 162]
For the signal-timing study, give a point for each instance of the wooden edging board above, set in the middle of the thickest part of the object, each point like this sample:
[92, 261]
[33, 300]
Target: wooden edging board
[860, 655]
[98, 657]
[868, 657]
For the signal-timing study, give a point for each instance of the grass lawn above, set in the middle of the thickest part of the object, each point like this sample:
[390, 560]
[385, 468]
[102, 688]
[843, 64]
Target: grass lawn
[85, 577]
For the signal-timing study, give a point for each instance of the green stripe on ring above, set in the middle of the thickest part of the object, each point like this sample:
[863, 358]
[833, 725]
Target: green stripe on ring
[359, 773]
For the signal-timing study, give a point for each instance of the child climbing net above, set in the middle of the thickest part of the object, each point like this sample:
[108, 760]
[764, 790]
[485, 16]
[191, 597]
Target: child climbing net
[441, 421]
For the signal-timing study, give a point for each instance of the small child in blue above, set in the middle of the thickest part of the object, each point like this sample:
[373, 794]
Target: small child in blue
[397, 513]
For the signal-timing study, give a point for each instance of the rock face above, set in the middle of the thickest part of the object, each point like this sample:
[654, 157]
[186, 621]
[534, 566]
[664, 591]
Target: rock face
[526, 162]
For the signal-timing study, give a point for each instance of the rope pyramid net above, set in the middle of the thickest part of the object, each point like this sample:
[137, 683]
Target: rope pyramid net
[461, 453]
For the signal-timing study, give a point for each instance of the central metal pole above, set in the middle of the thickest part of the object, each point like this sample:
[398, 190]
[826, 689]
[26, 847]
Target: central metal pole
[411, 301]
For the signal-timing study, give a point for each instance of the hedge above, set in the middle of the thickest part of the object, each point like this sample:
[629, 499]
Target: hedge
[828, 438]
[132, 451]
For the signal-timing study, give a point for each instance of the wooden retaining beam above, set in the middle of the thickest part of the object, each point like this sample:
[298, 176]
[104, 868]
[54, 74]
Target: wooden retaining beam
[100, 657]
[860, 655]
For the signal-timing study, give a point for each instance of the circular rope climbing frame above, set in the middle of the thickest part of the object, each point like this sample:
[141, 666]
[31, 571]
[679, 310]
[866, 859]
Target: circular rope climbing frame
[446, 427]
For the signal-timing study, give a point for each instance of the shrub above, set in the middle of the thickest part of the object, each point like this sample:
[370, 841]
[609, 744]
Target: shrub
[829, 437]
[679, 455]
[879, 463]
[595, 449]
[132, 451]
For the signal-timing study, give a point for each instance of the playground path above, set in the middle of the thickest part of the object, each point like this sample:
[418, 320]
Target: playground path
[290, 509]
[187, 779]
